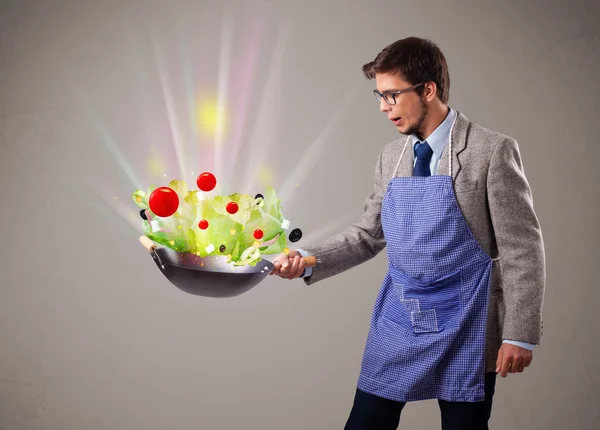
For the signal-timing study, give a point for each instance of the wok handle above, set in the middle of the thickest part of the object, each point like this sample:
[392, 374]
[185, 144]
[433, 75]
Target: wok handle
[310, 261]
[147, 243]
[151, 247]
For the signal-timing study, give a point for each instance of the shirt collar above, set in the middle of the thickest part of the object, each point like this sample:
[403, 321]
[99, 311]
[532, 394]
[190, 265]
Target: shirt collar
[441, 135]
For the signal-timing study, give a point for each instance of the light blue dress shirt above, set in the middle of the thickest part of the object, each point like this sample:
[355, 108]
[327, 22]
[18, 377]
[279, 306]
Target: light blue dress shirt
[438, 141]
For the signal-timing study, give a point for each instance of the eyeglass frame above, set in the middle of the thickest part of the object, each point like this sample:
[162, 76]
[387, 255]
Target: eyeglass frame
[379, 95]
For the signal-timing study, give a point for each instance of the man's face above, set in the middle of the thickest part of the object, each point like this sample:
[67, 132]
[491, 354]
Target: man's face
[410, 110]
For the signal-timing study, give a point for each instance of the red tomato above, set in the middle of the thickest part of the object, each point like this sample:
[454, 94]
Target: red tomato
[206, 181]
[203, 224]
[163, 202]
[232, 207]
[258, 234]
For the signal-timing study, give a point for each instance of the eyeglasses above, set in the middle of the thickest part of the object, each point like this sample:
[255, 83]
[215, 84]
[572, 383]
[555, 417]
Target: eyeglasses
[390, 96]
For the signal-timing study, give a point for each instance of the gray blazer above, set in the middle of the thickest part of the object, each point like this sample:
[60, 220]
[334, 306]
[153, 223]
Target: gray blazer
[495, 199]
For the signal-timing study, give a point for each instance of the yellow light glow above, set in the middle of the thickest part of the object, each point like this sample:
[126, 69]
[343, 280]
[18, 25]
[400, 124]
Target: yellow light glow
[155, 164]
[265, 176]
[208, 118]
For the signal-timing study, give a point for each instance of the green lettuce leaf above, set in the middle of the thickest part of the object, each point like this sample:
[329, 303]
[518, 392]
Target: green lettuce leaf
[272, 205]
[140, 198]
[243, 201]
[218, 233]
[229, 234]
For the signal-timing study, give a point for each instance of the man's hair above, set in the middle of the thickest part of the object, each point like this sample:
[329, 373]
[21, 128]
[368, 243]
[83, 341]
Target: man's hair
[416, 60]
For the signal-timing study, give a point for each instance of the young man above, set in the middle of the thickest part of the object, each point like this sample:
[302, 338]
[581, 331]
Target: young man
[462, 298]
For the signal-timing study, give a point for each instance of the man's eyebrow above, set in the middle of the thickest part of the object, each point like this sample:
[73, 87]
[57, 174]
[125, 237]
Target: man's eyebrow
[391, 90]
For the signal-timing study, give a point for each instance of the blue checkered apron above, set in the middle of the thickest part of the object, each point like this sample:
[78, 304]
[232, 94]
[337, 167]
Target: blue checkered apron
[427, 334]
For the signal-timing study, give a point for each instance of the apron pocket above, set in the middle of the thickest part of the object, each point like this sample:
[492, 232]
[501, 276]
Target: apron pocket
[424, 321]
[425, 307]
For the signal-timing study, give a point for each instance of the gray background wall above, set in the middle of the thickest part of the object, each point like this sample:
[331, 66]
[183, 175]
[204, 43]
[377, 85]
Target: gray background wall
[93, 337]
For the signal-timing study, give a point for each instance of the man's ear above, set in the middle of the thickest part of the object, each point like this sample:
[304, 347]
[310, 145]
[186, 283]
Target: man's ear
[430, 91]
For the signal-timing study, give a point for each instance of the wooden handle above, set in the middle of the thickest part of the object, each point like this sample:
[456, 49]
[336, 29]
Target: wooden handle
[310, 261]
[147, 243]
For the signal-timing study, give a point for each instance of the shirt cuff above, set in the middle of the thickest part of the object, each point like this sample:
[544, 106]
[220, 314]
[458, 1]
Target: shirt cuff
[307, 270]
[524, 345]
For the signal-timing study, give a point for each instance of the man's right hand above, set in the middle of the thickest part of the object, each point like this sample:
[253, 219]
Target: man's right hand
[289, 266]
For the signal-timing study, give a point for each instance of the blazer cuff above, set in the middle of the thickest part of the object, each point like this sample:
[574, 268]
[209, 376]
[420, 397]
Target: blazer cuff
[524, 345]
[307, 270]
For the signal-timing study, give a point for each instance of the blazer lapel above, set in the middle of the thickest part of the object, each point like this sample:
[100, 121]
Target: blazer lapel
[459, 143]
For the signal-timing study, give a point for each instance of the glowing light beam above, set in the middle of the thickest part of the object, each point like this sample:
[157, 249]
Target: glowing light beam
[170, 108]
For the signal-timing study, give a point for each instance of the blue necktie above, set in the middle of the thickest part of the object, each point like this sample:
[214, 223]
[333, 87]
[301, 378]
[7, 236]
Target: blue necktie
[424, 153]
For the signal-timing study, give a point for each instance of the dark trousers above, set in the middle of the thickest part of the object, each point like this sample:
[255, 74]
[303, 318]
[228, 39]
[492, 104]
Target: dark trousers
[370, 412]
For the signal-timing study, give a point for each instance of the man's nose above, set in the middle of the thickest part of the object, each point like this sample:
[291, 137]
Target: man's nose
[383, 106]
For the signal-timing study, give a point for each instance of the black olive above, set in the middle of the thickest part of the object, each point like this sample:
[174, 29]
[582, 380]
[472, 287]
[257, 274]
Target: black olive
[143, 214]
[295, 235]
[222, 248]
[259, 196]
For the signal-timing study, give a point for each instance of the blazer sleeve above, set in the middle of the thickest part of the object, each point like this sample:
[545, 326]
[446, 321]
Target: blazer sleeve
[520, 244]
[358, 243]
